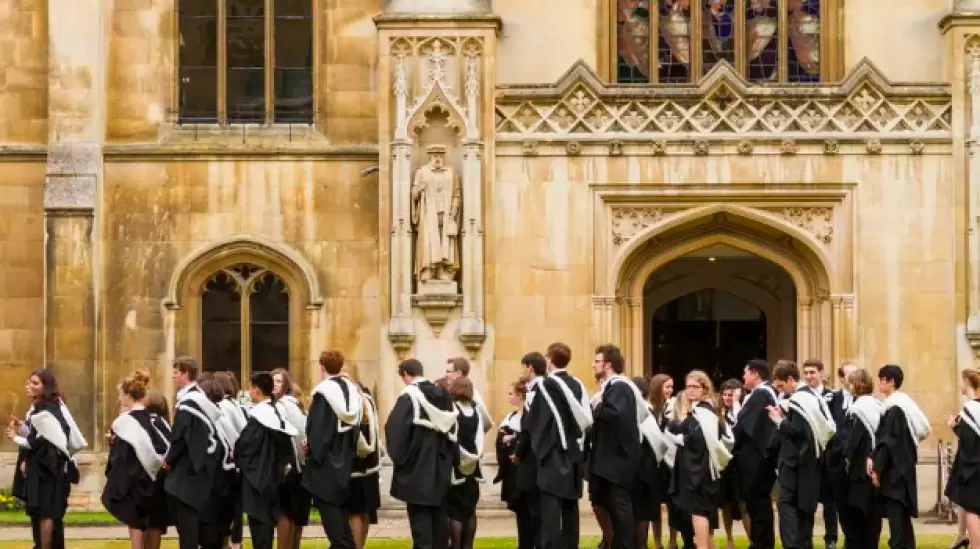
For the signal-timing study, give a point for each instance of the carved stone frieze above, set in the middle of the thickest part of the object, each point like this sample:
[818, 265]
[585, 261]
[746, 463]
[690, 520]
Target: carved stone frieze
[817, 221]
[581, 107]
[627, 222]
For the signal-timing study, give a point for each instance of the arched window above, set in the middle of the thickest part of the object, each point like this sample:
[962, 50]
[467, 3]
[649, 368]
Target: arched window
[245, 61]
[679, 41]
[244, 303]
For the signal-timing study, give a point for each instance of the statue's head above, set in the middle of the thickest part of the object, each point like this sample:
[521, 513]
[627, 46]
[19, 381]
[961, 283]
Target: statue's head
[437, 155]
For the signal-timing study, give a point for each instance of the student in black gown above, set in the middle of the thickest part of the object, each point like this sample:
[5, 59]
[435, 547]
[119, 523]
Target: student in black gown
[332, 430]
[232, 422]
[555, 425]
[160, 517]
[753, 458]
[813, 371]
[507, 467]
[265, 453]
[365, 487]
[963, 487]
[700, 434]
[650, 488]
[861, 516]
[422, 447]
[296, 500]
[661, 403]
[42, 479]
[803, 427]
[464, 491]
[892, 463]
[618, 411]
[216, 520]
[457, 367]
[600, 512]
[731, 509]
[196, 458]
[239, 419]
[836, 467]
[136, 450]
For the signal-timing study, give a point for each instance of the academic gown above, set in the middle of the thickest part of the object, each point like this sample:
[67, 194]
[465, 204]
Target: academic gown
[159, 516]
[838, 445]
[45, 487]
[731, 483]
[963, 487]
[894, 457]
[617, 445]
[559, 470]
[506, 469]
[130, 491]
[799, 467]
[754, 433]
[691, 486]
[423, 458]
[330, 462]
[365, 488]
[263, 454]
[464, 491]
[193, 471]
[860, 489]
[578, 391]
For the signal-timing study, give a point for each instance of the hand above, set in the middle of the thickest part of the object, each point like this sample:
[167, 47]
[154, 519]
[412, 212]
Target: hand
[306, 446]
[875, 480]
[11, 431]
[952, 421]
[165, 466]
[23, 468]
[16, 421]
[513, 458]
[775, 413]
[870, 468]
[508, 439]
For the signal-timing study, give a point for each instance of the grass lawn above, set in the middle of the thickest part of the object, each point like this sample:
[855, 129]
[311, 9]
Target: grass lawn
[923, 542]
[84, 518]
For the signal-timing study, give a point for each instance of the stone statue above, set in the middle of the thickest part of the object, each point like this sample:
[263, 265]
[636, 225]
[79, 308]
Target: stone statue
[436, 218]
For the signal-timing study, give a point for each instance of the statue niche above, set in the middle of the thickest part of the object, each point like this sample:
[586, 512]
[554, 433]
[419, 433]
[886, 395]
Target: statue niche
[436, 208]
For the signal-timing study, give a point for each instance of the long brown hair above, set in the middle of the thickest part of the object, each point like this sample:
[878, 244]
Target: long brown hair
[135, 385]
[49, 392]
[156, 403]
[657, 398]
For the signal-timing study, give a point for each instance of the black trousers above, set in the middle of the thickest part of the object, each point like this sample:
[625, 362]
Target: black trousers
[430, 526]
[527, 525]
[758, 505]
[336, 525]
[238, 523]
[262, 533]
[188, 525]
[559, 522]
[795, 524]
[680, 520]
[618, 502]
[57, 536]
[829, 503]
[901, 534]
[860, 531]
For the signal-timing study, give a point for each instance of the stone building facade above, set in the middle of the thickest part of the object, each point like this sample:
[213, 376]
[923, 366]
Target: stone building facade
[249, 181]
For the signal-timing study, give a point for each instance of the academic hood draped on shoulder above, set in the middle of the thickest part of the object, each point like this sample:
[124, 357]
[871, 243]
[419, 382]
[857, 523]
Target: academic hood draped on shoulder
[198, 451]
[264, 452]
[333, 427]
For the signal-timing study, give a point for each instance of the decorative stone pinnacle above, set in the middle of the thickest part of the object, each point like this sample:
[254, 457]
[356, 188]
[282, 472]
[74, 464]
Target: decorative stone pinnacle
[438, 7]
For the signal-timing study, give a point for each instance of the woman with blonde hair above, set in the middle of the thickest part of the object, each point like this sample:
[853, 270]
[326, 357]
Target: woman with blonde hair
[296, 501]
[963, 487]
[136, 451]
[701, 435]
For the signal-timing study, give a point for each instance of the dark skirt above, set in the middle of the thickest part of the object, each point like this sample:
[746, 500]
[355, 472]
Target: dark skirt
[158, 514]
[365, 496]
[963, 489]
[462, 499]
[731, 492]
[295, 500]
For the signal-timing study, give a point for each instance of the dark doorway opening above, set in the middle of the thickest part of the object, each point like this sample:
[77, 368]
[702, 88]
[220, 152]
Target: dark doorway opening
[708, 330]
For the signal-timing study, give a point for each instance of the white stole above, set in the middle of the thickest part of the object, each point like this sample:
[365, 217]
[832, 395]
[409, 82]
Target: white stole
[441, 421]
[814, 411]
[916, 419]
[868, 410]
[130, 431]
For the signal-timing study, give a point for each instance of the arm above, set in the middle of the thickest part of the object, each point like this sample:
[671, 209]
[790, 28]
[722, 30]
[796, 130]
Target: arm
[398, 431]
[615, 402]
[178, 439]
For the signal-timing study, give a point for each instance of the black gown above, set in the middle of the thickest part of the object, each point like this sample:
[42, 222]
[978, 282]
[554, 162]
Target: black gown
[799, 468]
[193, 471]
[46, 485]
[423, 458]
[510, 494]
[264, 451]
[559, 469]
[332, 450]
[730, 481]
[650, 490]
[895, 456]
[159, 515]
[131, 489]
[691, 487]
[860, 515]
[464, 491]
[365, 486]
[295, 497]
[963, 487]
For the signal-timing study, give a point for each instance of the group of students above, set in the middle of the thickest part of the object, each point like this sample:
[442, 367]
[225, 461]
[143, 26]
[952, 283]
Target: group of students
[701, 454]
[638, 447]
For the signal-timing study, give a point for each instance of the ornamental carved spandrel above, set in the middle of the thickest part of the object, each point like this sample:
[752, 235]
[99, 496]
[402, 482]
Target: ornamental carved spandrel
[629, 221]
[818, 221]
[580, 106]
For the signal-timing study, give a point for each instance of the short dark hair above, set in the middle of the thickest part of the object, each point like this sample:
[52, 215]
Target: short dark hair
[643, 384]
[860, 380]
[536, 361]
[891, 372]
[786, 370]
[813, 363]
[460, 365]
[263, 382]
[187, 365]
[224, 381]
[611, 354]
[559, 354]
[212, 389]
[760, 367]
[332, 362]
[731, 385]
[411, 367]
[461, 389]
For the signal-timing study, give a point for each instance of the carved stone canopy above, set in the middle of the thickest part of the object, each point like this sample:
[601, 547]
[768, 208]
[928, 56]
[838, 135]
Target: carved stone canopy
[440, 7]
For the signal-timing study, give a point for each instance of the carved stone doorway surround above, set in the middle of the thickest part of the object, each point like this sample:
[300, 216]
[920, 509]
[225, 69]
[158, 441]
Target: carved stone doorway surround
[806, 230]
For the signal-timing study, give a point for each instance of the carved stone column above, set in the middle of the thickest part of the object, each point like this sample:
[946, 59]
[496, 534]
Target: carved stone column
[71, 193]
[804, 329]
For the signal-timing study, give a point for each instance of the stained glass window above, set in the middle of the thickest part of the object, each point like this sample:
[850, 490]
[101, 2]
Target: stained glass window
[244, 303]
[764, 40]
[245, 61]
